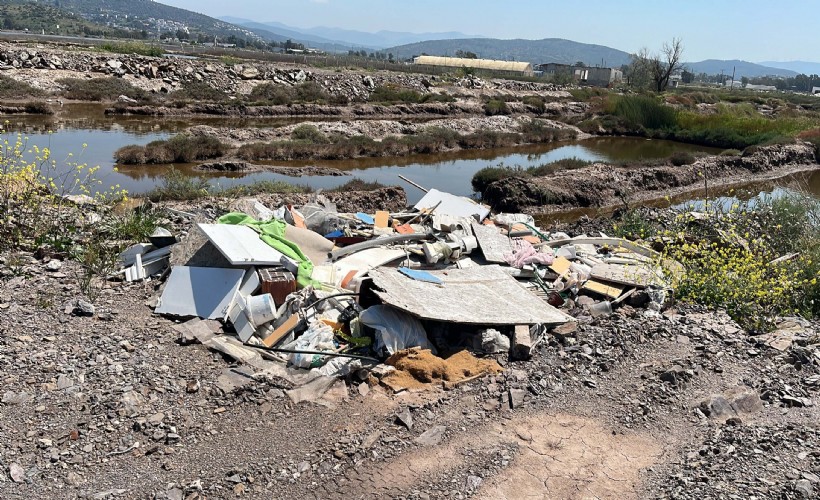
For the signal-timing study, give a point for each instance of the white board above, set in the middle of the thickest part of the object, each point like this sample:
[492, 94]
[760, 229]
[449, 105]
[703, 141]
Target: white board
[206, 292]
[242, 246]
[457, 206]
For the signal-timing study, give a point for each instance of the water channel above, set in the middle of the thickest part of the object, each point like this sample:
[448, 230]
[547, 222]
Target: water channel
[75, 125]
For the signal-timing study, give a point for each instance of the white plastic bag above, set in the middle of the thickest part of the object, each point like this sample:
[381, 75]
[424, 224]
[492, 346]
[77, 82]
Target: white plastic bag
[395, 329]
[319, 336]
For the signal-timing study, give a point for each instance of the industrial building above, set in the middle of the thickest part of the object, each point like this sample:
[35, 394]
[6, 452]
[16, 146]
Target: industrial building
[598, 77]
[511, 67]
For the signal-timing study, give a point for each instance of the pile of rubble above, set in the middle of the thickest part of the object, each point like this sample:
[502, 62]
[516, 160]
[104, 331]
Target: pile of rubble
[407, 300]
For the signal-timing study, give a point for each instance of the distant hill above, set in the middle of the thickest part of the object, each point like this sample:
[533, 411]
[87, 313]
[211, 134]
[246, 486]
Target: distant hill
[352, 38]
[139, 16]
[741, 68]
[272, 33]
[547, 50]
[45, 18]
[805, 67]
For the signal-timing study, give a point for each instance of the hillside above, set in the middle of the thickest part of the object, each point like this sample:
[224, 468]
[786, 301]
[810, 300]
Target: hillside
[804, 67]
[741, 68]
[534, 51]
[39, 18]
[143, 18]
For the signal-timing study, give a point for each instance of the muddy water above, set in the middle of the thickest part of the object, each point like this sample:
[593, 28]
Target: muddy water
[76, 124]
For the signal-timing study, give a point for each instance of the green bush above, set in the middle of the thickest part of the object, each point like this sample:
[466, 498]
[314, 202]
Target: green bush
[261, 187]
[487, 175]
[495, 107]
[13, 89]
[680, 158]
[272, 93]
[358, 185]
[178, 186]
[393, 94]
[133, 48]
[201, 92]
[644, 112]
[557, 165]
[179, 149]
[536, 103]
[100, 89]
[309, 134]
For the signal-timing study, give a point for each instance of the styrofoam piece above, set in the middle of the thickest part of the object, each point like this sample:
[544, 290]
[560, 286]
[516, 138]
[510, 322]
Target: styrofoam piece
[206, 292]
[451, 204]
[242, 246]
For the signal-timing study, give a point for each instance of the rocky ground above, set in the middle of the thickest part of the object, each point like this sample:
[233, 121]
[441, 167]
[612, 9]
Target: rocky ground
[105, 400]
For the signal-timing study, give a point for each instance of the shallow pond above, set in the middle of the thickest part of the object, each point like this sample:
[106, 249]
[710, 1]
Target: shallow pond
[75, 125]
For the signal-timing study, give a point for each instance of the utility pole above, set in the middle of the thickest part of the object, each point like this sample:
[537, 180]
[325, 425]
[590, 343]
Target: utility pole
[733, 77]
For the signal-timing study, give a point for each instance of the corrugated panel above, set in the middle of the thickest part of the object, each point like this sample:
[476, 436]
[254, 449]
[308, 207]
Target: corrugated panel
[489, 64]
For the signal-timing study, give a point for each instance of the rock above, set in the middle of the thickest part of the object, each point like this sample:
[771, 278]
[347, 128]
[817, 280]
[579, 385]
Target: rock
[734, 403]
[364, 389]
[521, 343]
[517, 398]
[249, 73]
[64, 382]
[473, 483]
[54, 265]
[431, 437]
[493, 341]
[114, 64]
[83, 308]
[13, 398]
[804, 488]
[18, 475]
[405, 418]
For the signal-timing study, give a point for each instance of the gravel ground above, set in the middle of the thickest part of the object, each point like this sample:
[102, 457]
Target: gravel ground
[679, 404]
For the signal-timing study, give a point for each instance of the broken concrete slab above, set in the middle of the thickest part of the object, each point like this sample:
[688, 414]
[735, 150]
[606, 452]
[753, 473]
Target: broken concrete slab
[205, 292]
[521, 348]
[483, 295]
[311, 391]
[432, 436]
[493, 244]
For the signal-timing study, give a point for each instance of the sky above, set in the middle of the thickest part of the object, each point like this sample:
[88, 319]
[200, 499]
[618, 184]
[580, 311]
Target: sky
[752, 30]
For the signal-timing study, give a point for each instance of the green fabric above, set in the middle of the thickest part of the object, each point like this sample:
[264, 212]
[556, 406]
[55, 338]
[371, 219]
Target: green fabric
[273, 233]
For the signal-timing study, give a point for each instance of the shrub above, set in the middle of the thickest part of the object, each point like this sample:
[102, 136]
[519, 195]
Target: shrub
[260, 188]
[730, 152]
[680, 158]
[199, 91]
[272, 93]
[393, 94]
[644, 112]
[487, 175]
[37, 108]
[495, 107]
[133, 48]
[100, 89]
[14, 89]
[309, 134]
[180, 148]
[178, 186]
[358, 185]
[562, 164]
[536, 103]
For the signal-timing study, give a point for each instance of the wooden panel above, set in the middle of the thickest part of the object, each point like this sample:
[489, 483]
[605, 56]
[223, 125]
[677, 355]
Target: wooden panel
[606, 289]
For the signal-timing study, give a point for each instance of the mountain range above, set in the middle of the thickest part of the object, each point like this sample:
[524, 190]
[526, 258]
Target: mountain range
[149, 17]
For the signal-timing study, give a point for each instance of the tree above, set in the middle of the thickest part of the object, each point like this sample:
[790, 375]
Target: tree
[656, 68]
[687, 76]
[466, 54]
[580, 64]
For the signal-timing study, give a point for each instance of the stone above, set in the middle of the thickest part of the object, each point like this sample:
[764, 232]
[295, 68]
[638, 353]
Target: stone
[473, 483]
[14, 398]
[517, 398]
[364, 389]
[493, 341]
[54, 265]
[18, 475]
[405, 418]
[249, 73]
[64, 382]
[735, 402]
[431, 437]
[83, 308]
[521, 343]
[804, 488]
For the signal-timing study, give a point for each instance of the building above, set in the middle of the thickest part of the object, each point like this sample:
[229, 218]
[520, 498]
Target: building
[767, 88]
[595, 76]
[512, 67]
[815, 90]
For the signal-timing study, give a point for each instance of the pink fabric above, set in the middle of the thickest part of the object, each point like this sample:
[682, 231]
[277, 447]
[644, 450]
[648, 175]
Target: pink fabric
[524, 253]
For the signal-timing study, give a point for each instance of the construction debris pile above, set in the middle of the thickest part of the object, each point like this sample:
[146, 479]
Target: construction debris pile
[407, 300]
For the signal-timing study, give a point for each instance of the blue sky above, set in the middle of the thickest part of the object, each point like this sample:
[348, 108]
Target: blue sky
[752, 30]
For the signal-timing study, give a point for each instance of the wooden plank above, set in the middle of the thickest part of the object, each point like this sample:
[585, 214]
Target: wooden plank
[606, 289]
[560, 265]
[638, 276]
[483, 295]
[282, 330]
[493, 244]
[382, 216]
